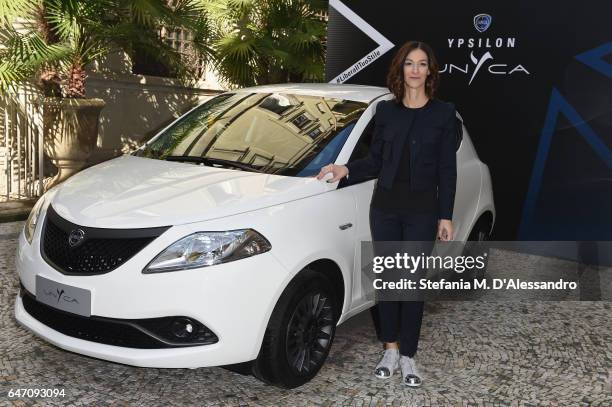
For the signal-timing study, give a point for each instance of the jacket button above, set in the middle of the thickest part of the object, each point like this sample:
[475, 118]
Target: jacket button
[413, 141]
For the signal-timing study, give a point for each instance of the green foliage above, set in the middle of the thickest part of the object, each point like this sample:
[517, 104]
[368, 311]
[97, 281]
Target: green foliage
[69, 34]
[268, 41]
[10, 10]
[250, 42]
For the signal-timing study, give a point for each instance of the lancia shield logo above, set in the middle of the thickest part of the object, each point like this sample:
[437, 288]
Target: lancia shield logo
[482, 22]
[76, 237]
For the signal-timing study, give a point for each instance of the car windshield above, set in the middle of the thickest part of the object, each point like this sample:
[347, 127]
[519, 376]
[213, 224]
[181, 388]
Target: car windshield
[272, 133]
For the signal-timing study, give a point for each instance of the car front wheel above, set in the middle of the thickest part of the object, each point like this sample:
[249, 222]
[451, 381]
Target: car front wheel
[300, 332]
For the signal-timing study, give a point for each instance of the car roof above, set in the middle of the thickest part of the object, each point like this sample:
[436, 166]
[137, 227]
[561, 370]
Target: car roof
[357, 93]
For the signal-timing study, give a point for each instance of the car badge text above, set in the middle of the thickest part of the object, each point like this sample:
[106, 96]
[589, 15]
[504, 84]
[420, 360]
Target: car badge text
[60, 295]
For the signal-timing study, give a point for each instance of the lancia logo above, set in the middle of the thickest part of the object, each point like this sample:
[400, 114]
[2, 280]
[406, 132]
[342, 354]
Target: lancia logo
[76, 237]
[482, 22]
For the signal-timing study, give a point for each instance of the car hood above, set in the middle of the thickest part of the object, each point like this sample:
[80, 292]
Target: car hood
[135, 192]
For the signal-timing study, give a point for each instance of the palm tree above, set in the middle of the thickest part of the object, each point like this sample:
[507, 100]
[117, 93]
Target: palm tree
[268, 41]
[59, 38]
[51, 42]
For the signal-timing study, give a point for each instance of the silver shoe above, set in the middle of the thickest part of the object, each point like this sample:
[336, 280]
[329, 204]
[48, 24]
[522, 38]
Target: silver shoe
[388, 363]
[410, 373]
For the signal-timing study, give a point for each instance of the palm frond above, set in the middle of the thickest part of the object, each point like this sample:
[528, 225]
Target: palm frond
[202, 36]
[25, 54]
[11, 76]
[148, 12]
[30, 50]
[63, 17]
[185, 12]
[262, 41]
[241, 4]
[238, 59]
[10, 10]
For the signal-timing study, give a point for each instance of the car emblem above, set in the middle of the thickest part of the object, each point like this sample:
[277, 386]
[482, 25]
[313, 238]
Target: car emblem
[482, 22]
[76, 237]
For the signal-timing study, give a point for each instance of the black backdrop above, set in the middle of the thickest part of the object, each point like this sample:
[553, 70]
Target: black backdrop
[539, 107]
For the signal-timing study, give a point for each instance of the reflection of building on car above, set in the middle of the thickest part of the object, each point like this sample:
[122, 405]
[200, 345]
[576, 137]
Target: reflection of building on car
[271, 132]
[213, 244]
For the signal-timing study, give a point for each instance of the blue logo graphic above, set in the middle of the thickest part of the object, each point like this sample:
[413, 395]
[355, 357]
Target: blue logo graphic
[595, 59]
[482, 22]
[559, 105]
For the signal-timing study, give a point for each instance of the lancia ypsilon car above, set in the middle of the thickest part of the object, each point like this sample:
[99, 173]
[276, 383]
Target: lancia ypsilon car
[214, 243]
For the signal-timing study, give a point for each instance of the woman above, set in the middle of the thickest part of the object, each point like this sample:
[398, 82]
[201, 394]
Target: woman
[413, 154]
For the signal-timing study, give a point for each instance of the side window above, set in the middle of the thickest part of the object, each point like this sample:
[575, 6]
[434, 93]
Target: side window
[362, 148]
[328, 154]
[459, 133]
[365, 141]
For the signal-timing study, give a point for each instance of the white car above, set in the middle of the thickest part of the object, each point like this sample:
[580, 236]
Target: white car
[214, 244]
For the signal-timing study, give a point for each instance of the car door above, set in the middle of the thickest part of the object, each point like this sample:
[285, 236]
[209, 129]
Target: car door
[362, 191]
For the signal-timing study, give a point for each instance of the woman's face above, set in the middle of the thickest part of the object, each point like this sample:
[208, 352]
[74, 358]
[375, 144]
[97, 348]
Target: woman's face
[416, 69]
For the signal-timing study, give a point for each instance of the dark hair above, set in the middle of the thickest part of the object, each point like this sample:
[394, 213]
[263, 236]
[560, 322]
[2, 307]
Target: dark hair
[395, 77]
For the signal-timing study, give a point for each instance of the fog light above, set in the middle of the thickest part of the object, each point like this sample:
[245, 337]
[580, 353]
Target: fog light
[178, 331]
[182, 328]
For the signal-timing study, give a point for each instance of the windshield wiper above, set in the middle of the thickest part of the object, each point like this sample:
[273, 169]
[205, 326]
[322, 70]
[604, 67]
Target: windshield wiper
[192, 159]
[211, 161]
[243, 166]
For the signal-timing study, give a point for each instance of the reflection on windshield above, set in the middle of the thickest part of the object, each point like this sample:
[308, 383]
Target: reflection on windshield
[274, 133]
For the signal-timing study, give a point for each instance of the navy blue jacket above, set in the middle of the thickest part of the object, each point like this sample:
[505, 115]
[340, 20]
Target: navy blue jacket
[433, 159]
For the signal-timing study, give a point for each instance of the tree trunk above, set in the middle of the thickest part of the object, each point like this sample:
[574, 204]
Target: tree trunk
[48, 78]
[43, 26]
[76, 81]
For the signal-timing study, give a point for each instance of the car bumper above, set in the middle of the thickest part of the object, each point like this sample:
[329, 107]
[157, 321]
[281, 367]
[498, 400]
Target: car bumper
[233, 300]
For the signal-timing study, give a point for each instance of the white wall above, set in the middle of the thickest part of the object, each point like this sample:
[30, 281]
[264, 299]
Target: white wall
[137, 106]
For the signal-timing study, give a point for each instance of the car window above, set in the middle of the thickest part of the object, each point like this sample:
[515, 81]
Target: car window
[328, 154]
[365, 141]
[273, 133]
[361, 150]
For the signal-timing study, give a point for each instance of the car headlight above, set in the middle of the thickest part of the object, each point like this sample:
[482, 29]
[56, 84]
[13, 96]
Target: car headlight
[30, 225]
[203, 249]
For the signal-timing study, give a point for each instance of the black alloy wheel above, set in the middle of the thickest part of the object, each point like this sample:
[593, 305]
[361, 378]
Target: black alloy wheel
[309, 332]
[300, 332]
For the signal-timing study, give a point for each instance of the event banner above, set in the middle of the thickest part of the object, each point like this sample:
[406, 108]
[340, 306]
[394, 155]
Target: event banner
[533, 84]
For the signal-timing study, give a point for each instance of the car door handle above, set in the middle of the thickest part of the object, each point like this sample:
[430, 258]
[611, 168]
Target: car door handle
[345, 226]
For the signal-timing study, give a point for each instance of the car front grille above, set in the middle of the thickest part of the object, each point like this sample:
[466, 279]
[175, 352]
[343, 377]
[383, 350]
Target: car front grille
[98, 250]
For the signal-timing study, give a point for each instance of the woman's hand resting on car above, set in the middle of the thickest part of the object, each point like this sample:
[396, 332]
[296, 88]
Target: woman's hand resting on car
[445, 230]
[338, 172]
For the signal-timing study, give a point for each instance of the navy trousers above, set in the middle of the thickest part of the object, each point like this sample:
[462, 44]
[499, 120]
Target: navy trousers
[401, 319]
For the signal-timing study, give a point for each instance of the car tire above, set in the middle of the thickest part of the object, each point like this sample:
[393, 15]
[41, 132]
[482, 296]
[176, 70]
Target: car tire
[300, 332]
[481, 232]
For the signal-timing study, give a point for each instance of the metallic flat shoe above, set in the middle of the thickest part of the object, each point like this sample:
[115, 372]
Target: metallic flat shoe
[410, 373]
[388, 363]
